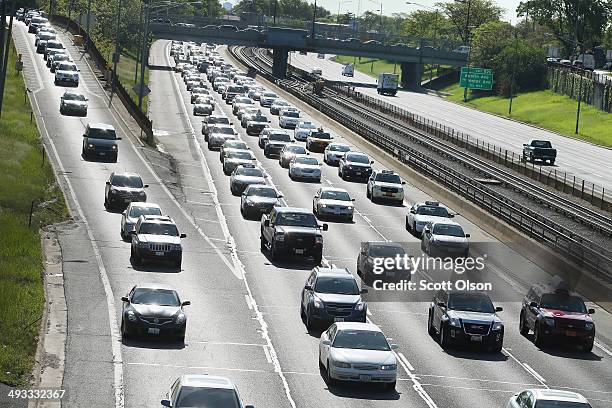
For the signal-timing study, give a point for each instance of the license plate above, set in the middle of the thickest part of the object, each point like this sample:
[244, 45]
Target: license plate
[159, 253]
[153, 330]
[389, 194]
[358, 173]
[102, 153]
[126, 200]
[338, 319]
[570, 334]
[476, 338]
[299, 251]
[363, 377]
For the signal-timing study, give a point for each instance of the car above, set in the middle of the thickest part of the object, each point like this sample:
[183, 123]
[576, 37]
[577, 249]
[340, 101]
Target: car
[334, 203]
[241, 102]
[193, 83]
[73, 103]
[289, 152]
[554, 312]
[246, 110]
[258, 199]
[357, 352]
[51, 53]
[245, 175]
[445, 238]
[465, 317]
[235, 158]
[274, 141]
[355, 165]
[385, 185]
[302, 130]
[220, 85]
[267, 98]
[219, 134]
[318, 140]
[331, 295]
[539, 150]
[153, 309]
[291, 230]
[547, 397]
[44, 36]
[211, 121]
[197, 91]
[134, 210]
[66, 73]
[52, 45]
[334, 152]
[100, 140]
[194, 390]
[254, 123]
[255, 93]
[230, 146]
[305, 168]
[370, 251]
[36, 22]
[40, 46]
[54, 60]
[288, 119]
[232, 91]
[203, 107]
[278, 105]
[156, 237]
[123, 188]
[420, 214]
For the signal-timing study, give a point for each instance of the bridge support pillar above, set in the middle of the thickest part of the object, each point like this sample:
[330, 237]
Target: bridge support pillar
[279, 62]
[411, 75]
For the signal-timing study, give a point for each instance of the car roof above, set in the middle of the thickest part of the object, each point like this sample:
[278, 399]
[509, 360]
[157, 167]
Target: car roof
[292, 210]
[335, 273]
[144, 204]
[101, 126]
[352, 153]
[358, 326]
[157, 219]
[206, 381]
[126, 174]
[383, 243]
[446, 222]
[558, 395]
[151, 285]
[333, 189]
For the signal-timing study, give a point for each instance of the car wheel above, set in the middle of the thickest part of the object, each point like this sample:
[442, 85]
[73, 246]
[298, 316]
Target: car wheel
[330, 380]
[430, 328]
[538, 339]
[137, 259]
[391, 385]
[124, 332]
[123, 236]
[262, 243]
[552, 162]
[444, 341]
[225, 171]
[318, 259]
[308, 320]
[523, 328]
[273, 252]
[368, 195]
[498, 348]
[321, 365]
[181, 339]
[588, 347]
[178, 263]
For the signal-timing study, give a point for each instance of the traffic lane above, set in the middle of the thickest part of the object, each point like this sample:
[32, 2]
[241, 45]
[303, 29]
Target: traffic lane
[578, 157]
[329, 67]
[105, 226]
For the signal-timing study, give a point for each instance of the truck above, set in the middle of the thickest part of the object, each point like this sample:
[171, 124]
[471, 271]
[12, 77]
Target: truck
[588, 61]
[387, 84]
[348, 70]
[539, 150]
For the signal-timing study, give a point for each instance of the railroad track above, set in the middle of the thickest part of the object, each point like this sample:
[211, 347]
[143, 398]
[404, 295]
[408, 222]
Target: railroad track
[574, 244]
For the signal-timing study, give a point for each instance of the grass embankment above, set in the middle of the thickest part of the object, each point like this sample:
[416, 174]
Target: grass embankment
[373, 68]
[24, 179]
[125, 70]
[547, 110]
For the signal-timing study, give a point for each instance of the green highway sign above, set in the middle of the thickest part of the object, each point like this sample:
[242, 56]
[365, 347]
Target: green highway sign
[478, 78]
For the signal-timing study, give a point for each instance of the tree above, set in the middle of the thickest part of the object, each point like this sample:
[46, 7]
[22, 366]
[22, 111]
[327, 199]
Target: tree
[481, 11]
[425, 24]
[575, 23]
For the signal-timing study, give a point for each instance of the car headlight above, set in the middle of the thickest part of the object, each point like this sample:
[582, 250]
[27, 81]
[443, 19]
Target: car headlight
[455, 322]
[114, 147]
[360, 305]
[588, 326]
[141, 193]
[349, 207]
[176, 247]
[388, 367]
[131, 316]
[498, 326]
[113, 191]
[340, 364]
[91, 146]
[180, 318]
[550, 321]
[323, 205]
[316, 302]
[143, 244]
[280, 236]
[318, 240]
[249, 202]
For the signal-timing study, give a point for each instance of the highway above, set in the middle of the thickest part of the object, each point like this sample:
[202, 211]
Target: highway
[244, 320]
[582, 159]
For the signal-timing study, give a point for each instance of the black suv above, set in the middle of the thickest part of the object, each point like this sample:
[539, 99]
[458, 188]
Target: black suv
[156, 237]
[554, 312]
[123, 188]
[100, 140]
[290, 230]
[372, 250]
[332, 295]
[355, 165]
[461, 317]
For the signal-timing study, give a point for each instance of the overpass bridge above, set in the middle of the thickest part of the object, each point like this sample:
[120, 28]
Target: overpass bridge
[283, 40]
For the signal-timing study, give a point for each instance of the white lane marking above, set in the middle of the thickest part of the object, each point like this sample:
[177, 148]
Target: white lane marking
[534, 373]
[184, 367]
[238, 266]
[450, 377]
[267, 353]
[248, 302]
[108, 292]
[40, 83]
[405, 360]
[526, 367]
[368, 312]
[226, 343]
[603, 348]
[205, 220]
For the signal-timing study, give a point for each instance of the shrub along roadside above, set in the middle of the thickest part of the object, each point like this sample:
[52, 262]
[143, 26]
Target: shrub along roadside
[25, 178]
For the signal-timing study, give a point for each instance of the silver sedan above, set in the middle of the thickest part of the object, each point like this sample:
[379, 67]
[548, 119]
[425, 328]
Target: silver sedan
[333, 202]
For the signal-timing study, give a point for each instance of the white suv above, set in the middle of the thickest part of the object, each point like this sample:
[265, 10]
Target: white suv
[385, 184]
[547, 398]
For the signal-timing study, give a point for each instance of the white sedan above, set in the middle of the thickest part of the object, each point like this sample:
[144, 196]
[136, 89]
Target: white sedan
[305, 167]
[288, 119]
[547, 398]
[357, 352]
[302, 130]
[130, 216]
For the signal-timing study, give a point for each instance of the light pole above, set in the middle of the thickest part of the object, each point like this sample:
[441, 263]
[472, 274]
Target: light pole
[339, 4]
[469, 40]
[380, 10]
[513, 70]
[435, 33]
[314, 19]
[116, 55]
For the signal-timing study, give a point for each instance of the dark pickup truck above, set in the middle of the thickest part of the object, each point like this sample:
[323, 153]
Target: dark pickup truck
[539, 150]
[289, 230]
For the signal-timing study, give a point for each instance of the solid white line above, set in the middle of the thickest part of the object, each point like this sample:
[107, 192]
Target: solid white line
[226, 343]
[405, 360]
[248, 302]
[267, 353]
[530, 370]
[534, 373]
[41, 84]
[243, 370]
[603, 348]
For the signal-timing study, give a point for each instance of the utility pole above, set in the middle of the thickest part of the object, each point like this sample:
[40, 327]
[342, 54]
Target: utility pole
[88, 23]
[469, 39]
[117, 48]
[143, 60]
[314, 19]
[513, 70]
[3, 16]
[579, 100]
[139, 39]
[275, 7]
[6, 46]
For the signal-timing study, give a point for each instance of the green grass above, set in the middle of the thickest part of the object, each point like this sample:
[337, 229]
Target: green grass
[547, 110]
[125, 71]
[24, 179]
[373, 68]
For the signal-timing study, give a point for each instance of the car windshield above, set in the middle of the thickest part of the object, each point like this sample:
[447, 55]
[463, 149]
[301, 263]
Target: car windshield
[340, 286]
[307, 160]
[240, 155]
[386, 251]
[156, 228]
[248, 171]
[259, 118]
[54, 44]
[137, 211]
[448, 230]
[541, 143]
[60, 57]
[432, 211]
[263, 191]
[247, 101]
[296, 149]
[470, 302]
[339, 148]
[96, 133]
[563, 302]
[296, 219]
[358, 158]
[388, 178]
[218, 120]
[207, 398]
[161, 297]
[361, 339]
[235, 144]
[561, 404]
[321, 135]
[74, 97]
[223, 130]
[290, 114]
[307, 126]
[67, 67]
[280, 137]
[335, 195]
[270, 95]
[281, 103]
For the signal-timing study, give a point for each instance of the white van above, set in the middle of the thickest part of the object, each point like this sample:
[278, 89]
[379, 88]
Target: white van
[348, 70]
[316, 71]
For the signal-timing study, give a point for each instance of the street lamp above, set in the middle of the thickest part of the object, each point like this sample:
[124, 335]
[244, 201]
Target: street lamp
[435, 32]
[469, 40]
[513, 70]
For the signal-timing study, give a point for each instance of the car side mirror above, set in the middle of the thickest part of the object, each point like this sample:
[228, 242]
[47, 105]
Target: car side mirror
[124, 299]
[363, 291]
[146, 186]
[352, 199]
[108, 183]
[533, 304]
[280, 196]
[84, 134]
[394, 346]
[186, 303]
[499, 309]
[166, 403]
[266, 223]
[308, 287]
[412, 211]
[451, 215]
[591, 311]
[467, 235]
[132, 232]
[326, 343]
[119, 138]
[325, 227]
[249, 406]
[427, 230]
[441, 304]
[183, 235]
[371, 161]
[86, 99]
